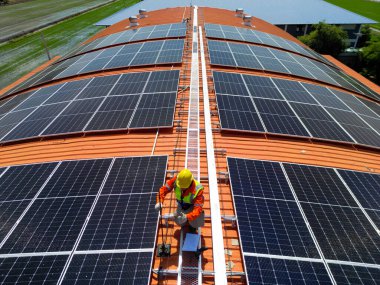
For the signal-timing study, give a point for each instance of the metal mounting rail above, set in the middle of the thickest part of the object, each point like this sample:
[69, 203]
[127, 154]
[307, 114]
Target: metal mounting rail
[216, 220]
[190, 265]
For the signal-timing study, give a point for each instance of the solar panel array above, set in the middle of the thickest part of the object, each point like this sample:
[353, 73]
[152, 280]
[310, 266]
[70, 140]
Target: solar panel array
[265, 104]
[270, 59]
[70, 222]
[302, 224]
[176, 30]
[254, 36]
[147, 53]
[117, 102]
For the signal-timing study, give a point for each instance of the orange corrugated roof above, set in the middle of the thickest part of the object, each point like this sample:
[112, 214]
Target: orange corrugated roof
[171, 141]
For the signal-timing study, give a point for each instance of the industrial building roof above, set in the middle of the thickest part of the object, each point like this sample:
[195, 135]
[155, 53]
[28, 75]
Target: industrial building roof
[286, 143]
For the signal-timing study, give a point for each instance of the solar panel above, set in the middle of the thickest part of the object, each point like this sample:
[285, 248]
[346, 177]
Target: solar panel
[350, 274]
[262, 58]
[365, 187]
[248, 35]
[90, 175]
[318, 185]
[286, 212]
[50, 225]
[10, 212]
[293, 91]
[84, 207]
[145, 33]
[279, 118]
[122, 222]
[289, 107]
[358, 105]
[38, 97]
[153, 110]
[273, 227]
[23, 182]
[32, 269]
[263, 270]
[96, 104]
[114, 113]
[146, 53]
[239, 119]
[343, 233]
[109, 268]
[319, 123]
[357, 128]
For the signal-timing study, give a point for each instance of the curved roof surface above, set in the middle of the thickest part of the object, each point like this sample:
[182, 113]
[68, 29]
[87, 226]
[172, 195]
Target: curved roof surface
[289, 163]
[272, 11]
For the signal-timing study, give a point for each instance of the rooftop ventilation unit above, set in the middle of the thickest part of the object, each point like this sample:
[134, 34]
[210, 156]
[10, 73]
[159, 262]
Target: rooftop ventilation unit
[133, 20]
[247, 20]
[143, 13]
[239, 12]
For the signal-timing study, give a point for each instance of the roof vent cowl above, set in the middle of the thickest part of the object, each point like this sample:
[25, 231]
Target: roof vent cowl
[239, 12]
[143, 13]
[247, 20]
[133, 20]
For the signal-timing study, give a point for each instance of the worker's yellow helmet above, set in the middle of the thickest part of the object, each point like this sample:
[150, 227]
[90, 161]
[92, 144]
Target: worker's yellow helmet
[184, 178]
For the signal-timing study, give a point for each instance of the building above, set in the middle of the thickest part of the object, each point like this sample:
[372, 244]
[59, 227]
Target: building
[285, 141]
[296, 17]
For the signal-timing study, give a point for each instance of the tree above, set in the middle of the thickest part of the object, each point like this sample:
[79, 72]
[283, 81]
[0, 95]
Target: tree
[371, 57]
[326, 39]
[365, 36]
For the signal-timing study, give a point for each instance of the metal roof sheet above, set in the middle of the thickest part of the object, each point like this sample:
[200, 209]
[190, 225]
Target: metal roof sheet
[273, 11]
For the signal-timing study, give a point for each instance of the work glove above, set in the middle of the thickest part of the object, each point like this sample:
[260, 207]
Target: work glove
[158, 206]
[182, 219]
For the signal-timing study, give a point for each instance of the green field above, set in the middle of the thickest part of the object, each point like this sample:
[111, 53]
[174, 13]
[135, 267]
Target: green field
[366, 8]
[19, 19]
[22, 55]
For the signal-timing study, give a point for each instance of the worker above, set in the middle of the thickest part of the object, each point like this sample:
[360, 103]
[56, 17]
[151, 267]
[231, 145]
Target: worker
[189, 194]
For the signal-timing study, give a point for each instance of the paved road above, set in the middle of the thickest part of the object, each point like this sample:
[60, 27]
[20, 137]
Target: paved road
[25, 17]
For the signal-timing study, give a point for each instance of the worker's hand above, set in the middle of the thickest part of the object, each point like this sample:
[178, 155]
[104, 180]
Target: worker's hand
[158, 206]
[182, 219]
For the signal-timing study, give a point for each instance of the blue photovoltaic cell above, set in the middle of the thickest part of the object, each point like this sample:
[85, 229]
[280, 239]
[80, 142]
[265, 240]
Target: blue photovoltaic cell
[259, 179]
[92, 105]
[318, 185]
[375, 217]
[109, 268]
[132, 35]
[10, 212]
[121, 222]
[343, 233]
[349, 274]
[262, 270]
[262, 58]
[71, 213]
[319, 123]
[275, 227]
[145, 53]
[365, 186]
[136, 175]
[32, 270]
[279, 118]
[49, 225]
[23, 182]
[89, 175]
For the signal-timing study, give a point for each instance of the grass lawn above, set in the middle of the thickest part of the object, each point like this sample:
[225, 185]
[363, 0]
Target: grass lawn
[22, 55]
[24, 17]
[366, 8]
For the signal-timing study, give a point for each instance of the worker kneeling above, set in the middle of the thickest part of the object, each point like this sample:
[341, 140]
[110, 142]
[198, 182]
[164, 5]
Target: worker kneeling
[189, 194]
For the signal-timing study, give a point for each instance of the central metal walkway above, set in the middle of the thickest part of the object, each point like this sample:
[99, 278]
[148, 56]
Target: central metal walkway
[190, 266]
